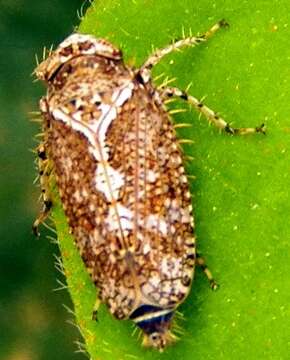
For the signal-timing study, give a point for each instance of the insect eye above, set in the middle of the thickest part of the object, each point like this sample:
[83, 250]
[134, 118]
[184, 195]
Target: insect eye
[86, 45]
[66, 51]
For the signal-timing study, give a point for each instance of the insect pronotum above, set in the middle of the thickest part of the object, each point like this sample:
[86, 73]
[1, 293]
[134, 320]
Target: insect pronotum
[112, 148]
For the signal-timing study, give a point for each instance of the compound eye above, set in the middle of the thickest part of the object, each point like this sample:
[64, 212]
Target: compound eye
[66, 51]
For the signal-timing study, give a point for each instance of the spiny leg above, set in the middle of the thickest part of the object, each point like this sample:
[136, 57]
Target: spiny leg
[201, 262]
[44, 174]
[211, 116]
[189, 41]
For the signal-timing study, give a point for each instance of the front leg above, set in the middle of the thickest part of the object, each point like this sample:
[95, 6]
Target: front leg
[175, 46]
[44, 169]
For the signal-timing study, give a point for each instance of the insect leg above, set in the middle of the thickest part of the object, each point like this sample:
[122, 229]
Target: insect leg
[176, 45]
[211, 116]
[96, 308]
[201, 262]
[44, 173]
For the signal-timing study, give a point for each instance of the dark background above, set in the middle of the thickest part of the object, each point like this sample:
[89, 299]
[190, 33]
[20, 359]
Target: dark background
[33, 324]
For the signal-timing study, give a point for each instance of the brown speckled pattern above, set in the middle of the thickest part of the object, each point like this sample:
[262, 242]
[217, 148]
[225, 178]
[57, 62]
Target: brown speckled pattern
[137, 243]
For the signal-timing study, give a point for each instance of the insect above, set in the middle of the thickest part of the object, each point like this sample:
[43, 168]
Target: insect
[111, 145]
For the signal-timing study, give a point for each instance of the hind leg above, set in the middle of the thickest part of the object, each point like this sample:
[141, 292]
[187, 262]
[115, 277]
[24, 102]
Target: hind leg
[200, 261]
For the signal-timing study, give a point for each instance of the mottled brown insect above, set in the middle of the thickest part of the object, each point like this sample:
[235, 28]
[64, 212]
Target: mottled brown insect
[113, 150]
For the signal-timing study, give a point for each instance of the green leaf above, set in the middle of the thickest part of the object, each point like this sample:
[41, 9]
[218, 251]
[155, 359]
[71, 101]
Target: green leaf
[241, 195]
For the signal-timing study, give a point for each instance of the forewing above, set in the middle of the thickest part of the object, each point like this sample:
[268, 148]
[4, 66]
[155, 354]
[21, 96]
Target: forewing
[155, 200]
